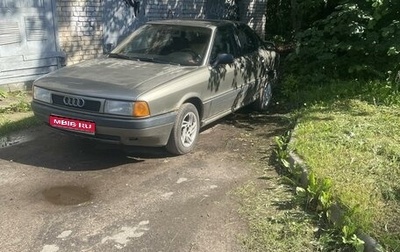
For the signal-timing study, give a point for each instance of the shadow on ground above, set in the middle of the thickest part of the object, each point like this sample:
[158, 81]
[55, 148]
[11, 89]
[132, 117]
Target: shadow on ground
[48, 148]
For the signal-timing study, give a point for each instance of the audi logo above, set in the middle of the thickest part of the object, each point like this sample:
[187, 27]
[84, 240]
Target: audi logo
[74, 101]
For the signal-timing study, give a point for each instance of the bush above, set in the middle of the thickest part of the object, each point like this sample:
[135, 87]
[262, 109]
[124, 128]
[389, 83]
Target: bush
[342, 39]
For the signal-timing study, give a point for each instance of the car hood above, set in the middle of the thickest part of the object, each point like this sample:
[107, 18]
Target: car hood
[111, 78]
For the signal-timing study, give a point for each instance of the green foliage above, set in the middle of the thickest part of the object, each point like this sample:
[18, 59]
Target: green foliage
[317, 197]
[14, 102]
[348, 232]
[344, 238]
[273, 227]
[281, 151]
[297, 95]
[344, 74]
[278, 22]
[341, 39]
[7, 127]
[358, 141]
[21, 106]
[3, 94]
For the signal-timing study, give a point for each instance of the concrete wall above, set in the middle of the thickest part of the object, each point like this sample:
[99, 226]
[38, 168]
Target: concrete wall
[28, 44]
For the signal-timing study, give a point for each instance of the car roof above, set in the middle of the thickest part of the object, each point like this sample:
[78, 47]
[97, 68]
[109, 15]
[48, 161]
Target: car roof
[194, 22]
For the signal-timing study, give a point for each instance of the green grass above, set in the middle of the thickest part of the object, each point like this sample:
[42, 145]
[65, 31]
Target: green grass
[276, 223]
[350, 133]
[274, 218]
[15, 112]
[20, 106]
[8, 126]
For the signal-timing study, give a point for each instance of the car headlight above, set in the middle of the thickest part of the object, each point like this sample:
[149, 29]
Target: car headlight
[136, 109]
[41, 94]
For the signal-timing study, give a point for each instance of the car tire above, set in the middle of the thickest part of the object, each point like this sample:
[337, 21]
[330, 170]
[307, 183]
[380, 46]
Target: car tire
[185, 132]
[264, 98]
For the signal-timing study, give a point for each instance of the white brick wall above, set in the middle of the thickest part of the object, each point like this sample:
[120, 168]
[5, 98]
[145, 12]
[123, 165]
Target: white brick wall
[252, 12]
[80, 22]
[80, 29]
[161, 9]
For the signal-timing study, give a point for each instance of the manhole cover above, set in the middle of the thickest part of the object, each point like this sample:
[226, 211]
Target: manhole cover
[67, 195]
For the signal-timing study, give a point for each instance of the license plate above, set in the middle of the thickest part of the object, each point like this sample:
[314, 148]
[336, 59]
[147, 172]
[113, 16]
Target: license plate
[82, 126]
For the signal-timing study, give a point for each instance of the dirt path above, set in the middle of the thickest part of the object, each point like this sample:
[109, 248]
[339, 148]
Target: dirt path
[63, 194]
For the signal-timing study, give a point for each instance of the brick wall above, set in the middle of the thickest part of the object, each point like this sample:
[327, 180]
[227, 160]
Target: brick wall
[80, 29]
[252, 12]
[161, 9]
[80, 22]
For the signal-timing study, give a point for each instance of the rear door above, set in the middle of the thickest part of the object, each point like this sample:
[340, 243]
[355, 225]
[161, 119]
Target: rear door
[225, 81]
[252, 64]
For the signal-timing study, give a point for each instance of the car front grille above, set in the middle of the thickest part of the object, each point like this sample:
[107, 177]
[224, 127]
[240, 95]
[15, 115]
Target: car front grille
[90, 105]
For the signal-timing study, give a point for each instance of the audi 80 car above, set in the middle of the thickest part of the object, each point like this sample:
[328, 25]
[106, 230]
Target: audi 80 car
[161, 84]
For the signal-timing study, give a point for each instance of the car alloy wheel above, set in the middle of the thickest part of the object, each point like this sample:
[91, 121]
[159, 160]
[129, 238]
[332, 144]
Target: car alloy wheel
[189, 129]
[185, 131]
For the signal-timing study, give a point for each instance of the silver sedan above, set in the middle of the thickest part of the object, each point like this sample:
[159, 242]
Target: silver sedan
[161, 84]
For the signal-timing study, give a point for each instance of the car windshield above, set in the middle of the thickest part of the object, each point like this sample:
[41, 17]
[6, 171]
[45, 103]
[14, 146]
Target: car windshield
[171, 44]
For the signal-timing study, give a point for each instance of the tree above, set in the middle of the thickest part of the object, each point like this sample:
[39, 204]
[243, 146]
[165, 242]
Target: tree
[342, 38]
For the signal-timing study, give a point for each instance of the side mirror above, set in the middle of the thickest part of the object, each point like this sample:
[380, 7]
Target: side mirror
[107, 48]
[222, 59]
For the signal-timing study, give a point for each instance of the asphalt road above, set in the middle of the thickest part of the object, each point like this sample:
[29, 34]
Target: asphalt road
[61, 193]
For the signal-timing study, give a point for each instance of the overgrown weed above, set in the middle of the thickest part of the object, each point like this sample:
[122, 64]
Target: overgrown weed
[15, 112]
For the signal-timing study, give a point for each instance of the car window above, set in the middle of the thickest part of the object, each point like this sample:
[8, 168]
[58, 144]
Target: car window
[224, 42]
[249, 41]
[175, 44]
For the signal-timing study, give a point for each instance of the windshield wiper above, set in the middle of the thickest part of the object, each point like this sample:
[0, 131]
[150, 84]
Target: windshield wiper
[119, 56]
[145, 59]
[156, 60]
[123, 56]
[166, 62]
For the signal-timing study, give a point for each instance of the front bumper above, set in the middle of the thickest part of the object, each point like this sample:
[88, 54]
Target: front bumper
[152, 132]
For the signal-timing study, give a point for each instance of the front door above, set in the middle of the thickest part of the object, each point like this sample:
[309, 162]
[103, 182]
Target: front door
[226, 81]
